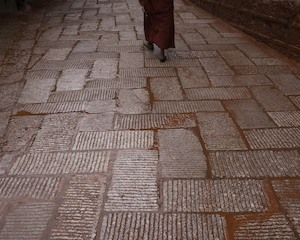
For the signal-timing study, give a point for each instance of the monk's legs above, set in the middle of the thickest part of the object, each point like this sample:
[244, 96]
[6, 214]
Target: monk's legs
[162, 56]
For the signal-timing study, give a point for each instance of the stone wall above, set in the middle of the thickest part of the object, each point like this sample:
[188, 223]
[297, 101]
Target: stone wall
[276, 22]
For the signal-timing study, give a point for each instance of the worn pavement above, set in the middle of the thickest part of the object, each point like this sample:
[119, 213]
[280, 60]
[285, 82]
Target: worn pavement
[99, 140]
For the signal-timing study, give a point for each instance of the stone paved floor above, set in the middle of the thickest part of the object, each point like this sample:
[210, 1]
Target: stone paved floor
[102, 141]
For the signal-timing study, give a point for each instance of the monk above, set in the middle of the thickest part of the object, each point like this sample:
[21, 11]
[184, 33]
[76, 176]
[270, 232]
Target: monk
[159, 25]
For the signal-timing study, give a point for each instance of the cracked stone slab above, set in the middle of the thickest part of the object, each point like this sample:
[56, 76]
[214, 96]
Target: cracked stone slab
[114, 140]
[273, 138]
[105, 68]
[178, 160]
[150, 121]
[263, 227]
[22, 222]
[63, 64]
[29, 187]
[80, 208]
[254, 164]
[166, 89]
[193, 77]
[56, 134]
[148, 72]
[216, 66]
[117, 83]
[240, 80]
[286, 118]
[219, 132]
[61, 163]
[214, 196]
[186, 106]
[158, 226]
[134, 182]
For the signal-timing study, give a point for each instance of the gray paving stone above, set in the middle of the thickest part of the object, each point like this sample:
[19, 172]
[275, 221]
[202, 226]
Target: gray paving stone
[42, 74]
[219, 132]
[105, 68]
[63, 64]
[99, 106]
[178, 160]
[254, 164]
[117, 83]
[71, 79]
[114, 139]
[263, 227]
[272, 99]
[20, 132]
[268, 61]
[151, 121]
[80, 208]
[235, 57]
[252, 51]
[273, 138]
[56, 134]
[154, 62]
[216, 66]
[119, 49]
[179, 54]
[193, 38]
[217, 93]
[147, 72]
[289, 84]
[248, 114]
[163, 226]
[96, 122]
[85, 47]
[226, 40]
[286, 119]
[214, 196]
[4, 118]
[51, 34]
[9, 95]
[61, 163]
[59, 43]
[131, 60]
[264, 69]
[134, 182]
[22, 222]
[29, 187]
[166, 89]
[92, 55]
[240, 80]
[212, 47]
[193, 77]
[57, 54]
[186, 106]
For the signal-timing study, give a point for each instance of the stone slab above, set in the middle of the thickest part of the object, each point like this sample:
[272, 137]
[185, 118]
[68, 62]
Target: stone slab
[117, 83]
[134, 182]
[92, 55]
[296, 100]
[240, 80]
[286, 118]
[42, 74]
[289, 84]
[100, 106]
[263, 69]
[105, 68]
[178, 160]
[181, 54]
[96, 122]
[252, 51]
[254, 164]
[147, 72]
[193, 38]
[219, 132]
[63, 64]
[153, 62]
[71, 79]
[4, 118]
[166, 89]
[57, 54]
[268, 61]
[216, 66]
[214, 196]
[235, 57]
[193, 77]
[162, 226]
[119, 49]
[131, 60]
[114, 139]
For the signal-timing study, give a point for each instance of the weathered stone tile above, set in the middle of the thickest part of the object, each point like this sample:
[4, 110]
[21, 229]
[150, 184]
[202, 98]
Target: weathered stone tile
[56, 134]
[29, 187]
[71, 79]
[51, 34]
[159, 226]
[117, 83]
[219, 132]
[85, 47]
[289, 84]
[268, 61]
[227, 40]
[193, 38]
[208, 32]
[248, 114]
[105, 68]
[272, 99]
[264, 69]
[214, 196]
[286, 119]
[57, 54]
[178, 160]
[92, 55]
[217, 93]
[296, 100]
[263, 227]
[42, 74]
[80, 208]
[100, 106]
[134, 182]
[166, 89]
[96, 122]
[216, 66]
[239, 80]
[186, 106]
[235, 57]
[114, 139]
[273, 138]
[153, 62]
[61, 163]
[212, 47]
[119, 49]
[147, 72]
[127, 35]
[63, 64]
[131, 60]
[9, 95]
[4, 118]
[179, 54]
[193, 77]
[27, 221]
[252, 51]
[254, 164]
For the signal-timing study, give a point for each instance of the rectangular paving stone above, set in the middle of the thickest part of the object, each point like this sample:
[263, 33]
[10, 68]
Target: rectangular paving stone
[71, 79]
[49, 108]
[214, 196]
[227, 40]
[147, 72]
[235, 57]
[212, 47]
[83, 48]
[269, 226]
[117, 83]
[42, 74]
[61, 163]
[131, 60]
[254, 164]
[251, 50]
[4, 118]
[216, 66]
[134, 182]
[186, 106]
[161, 226]
[153, 62]
[29, 187]
[56, 134]
[289, 84]
[296, 100]
[217, 93]
[80, 208]
[239, 80]
[57, 54]
[152, 121]
[264, 69]
[272, 99]
[180, 54]
[114, 139]
[219, 132]
[248, 114]
[166, 89]
[178, 160]
[268, 61]
[63, 64]
[273, 138]
[105, 68]
[193, 77]
[91, 55]
[119, 49]
[27, 221]
[286, 118]
[84, 95]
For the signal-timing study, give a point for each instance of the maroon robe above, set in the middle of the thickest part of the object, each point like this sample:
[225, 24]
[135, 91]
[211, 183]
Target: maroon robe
[159, 22]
